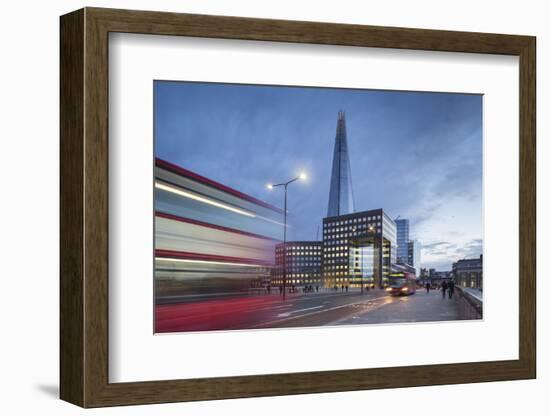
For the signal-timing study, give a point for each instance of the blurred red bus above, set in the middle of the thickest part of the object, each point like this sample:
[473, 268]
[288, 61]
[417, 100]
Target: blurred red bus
[401, 283]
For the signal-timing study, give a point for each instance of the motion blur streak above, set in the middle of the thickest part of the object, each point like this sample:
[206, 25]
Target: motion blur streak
[199, 198]
[211, 314]
[214, 250]
[205, 262]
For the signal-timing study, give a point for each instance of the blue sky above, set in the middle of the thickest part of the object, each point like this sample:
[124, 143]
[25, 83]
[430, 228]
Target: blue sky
[416, 155]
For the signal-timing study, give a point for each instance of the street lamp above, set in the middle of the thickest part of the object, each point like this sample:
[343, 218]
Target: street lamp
[302, 176]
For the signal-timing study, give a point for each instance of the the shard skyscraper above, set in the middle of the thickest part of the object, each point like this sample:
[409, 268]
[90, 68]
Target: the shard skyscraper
[340, 200]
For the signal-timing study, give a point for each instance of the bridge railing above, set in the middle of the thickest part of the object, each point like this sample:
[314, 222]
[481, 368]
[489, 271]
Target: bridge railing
[470, 303]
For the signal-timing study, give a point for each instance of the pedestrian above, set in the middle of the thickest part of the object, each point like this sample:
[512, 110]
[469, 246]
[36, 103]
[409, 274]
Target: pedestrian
[317, 288]
[428, 285]
[346, 288]
[444, 287]
[280, 290]
[451, 288]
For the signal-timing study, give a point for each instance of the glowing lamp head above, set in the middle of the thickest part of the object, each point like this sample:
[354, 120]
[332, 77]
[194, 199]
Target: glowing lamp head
[269, 186]
[302, 176]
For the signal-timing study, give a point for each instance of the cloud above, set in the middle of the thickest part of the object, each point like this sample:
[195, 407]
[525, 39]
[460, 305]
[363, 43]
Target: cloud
[473, 248]
[436, 245]
[444, 253]
[417, 155]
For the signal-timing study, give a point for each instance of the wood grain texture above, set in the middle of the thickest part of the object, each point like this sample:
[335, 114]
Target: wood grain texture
[84, 207]
[527, 208]
[71, 100]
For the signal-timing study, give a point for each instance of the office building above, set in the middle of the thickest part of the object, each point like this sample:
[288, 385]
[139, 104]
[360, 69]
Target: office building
[358, 249]
[469, 272]
[303, 264]
[402, 254]
[436, 278]
[413, 255]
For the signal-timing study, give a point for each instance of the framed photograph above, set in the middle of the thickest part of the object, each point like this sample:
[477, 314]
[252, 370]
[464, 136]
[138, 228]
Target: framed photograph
[255, 207]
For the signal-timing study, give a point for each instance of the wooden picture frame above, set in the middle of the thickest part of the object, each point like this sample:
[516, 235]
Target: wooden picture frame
[84, 207]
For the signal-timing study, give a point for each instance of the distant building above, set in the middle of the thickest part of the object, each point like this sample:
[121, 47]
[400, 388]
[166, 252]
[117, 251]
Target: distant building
[413, 255]
[469, 272]
[437, 278]
[423, 277]
[402, 226]
[340, 200]
[303, 263]
[358, 249]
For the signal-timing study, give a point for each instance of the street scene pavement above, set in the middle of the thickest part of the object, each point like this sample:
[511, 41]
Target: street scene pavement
[306, 309]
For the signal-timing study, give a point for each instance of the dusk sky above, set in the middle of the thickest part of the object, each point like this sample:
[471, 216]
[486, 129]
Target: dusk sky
[416, 155]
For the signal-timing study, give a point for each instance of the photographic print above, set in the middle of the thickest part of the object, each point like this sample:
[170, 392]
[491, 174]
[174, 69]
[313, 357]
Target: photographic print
[290, 206]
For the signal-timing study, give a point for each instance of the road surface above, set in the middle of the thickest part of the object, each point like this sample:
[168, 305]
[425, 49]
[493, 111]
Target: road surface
[305, 310]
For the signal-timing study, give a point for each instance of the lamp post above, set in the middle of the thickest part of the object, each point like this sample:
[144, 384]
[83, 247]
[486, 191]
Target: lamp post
[301, 176]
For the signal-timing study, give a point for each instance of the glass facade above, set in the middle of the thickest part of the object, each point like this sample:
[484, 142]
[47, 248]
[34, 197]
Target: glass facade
[402, 226]
[413, 257]
[362, 264]
[340, 200]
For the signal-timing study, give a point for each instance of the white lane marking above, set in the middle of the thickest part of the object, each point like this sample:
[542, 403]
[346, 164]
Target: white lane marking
[285, 314]
[269, 308]
[301, 297]
[278, 321]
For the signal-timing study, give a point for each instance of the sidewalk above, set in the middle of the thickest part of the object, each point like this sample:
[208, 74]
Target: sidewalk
[420, 307]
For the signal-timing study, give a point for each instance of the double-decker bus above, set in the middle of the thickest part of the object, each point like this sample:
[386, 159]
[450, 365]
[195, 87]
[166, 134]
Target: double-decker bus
[211, 241]
[401, 283]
